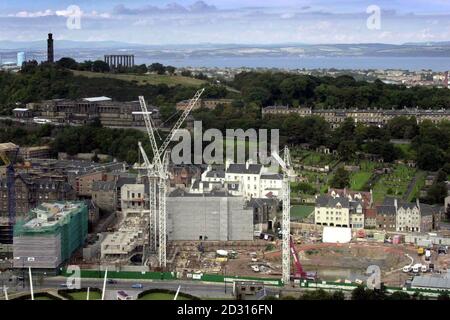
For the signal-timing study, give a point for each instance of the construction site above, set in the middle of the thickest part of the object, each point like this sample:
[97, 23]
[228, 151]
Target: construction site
[212, 231]
[232, 220]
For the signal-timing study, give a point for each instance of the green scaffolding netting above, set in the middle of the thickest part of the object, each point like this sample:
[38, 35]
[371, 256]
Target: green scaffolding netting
[72, 229]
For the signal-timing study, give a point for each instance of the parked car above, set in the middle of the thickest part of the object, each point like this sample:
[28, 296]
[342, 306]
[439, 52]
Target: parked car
[111, 281]
[137, 286]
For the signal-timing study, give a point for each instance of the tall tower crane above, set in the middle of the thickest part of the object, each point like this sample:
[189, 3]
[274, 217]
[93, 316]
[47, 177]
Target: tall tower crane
[157, 172]
[286, 220]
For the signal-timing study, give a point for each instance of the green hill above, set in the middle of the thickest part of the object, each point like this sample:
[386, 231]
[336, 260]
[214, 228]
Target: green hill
[145, 79]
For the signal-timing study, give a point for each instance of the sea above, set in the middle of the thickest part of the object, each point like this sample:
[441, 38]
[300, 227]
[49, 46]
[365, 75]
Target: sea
[437, 64]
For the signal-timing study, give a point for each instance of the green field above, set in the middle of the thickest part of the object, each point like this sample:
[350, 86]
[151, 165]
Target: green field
[300, 212]
[153, 79]
[161, 296]
[311, 158]
[360, 178]
[82, 295]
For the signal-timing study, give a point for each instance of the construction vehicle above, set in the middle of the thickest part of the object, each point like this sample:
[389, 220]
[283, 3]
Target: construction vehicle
[420, 251]
[299, 273]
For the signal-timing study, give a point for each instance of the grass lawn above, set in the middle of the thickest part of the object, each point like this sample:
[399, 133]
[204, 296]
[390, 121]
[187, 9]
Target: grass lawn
[420, 183]
[359, 179]
[301, 212]
[393, 184]
[82, 295]
[144, 79]
[161, 296]
[318, 159]
[43, 298]
[407, 150]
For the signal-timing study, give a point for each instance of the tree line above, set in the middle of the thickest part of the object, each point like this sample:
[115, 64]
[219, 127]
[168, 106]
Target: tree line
[271, 88]
[37, 82]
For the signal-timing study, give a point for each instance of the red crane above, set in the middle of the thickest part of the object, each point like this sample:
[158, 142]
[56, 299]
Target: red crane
[299, 273]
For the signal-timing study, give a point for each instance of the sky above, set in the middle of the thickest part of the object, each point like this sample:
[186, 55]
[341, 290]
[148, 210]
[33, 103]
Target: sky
[160, 22]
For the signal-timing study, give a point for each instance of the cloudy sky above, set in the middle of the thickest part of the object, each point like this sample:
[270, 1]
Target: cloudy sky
[227, 21]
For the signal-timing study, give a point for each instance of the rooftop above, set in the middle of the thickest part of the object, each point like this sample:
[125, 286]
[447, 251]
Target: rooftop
[52, 214]
[97, 99]
[442, 282]
[244, 169]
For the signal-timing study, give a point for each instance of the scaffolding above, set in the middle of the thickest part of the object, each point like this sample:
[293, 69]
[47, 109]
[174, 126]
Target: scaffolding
[58, 237]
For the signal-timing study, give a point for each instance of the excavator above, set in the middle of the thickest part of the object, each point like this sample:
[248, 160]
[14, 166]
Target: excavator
[299, 273]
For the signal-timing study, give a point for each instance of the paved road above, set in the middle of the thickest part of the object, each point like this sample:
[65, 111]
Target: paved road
[411, 185]
[200, 289]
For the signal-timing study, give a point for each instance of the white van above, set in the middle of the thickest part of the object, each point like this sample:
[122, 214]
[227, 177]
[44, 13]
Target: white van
[407, 269]
[416, 268]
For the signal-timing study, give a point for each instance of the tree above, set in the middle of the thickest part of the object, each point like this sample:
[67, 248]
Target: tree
[399, 295]
[347, 149]
[186, 73]
[338, 295]
[430, 157]
[443, 296]
[341, 179]
[437, 193]
[100, 66]
[170, 70]
[362, 293]
[67, 63]
[157, 68]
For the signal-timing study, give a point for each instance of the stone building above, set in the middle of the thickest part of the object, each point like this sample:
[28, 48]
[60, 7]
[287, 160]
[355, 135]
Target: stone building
[378, 117]
[32, 191]
[114, 114]
[104, 195]
[204, 103]
[336, 211]
[398, 215]
[184, 175]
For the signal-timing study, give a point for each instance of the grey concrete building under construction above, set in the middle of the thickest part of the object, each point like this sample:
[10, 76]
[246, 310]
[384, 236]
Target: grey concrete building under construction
[214, 216]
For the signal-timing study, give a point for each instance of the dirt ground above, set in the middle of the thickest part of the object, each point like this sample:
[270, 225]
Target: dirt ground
[333, 261]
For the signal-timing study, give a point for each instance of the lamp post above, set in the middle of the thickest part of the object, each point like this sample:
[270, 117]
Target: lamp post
[224, 277]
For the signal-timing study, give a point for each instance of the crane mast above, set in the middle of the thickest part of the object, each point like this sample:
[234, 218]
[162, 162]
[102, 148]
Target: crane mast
[157, 172]
[285, 221]
[152, 201]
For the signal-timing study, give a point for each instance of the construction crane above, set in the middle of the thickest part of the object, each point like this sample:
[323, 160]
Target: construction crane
[299, 273]
[285, 221]
[157, 172]
[8, 154]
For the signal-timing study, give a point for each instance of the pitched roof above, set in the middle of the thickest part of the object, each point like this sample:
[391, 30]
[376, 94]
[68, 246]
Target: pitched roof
[239, 168]
[103, 185]
[387, 210]
[276, 176]
[216, 174]
[331, 202]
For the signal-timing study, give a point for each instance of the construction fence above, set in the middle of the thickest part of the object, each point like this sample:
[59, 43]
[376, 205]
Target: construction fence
[146, 275]
[305, 284]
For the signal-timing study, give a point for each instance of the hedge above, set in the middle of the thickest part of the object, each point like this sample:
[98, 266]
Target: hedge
[181, 294]
[66, 292]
